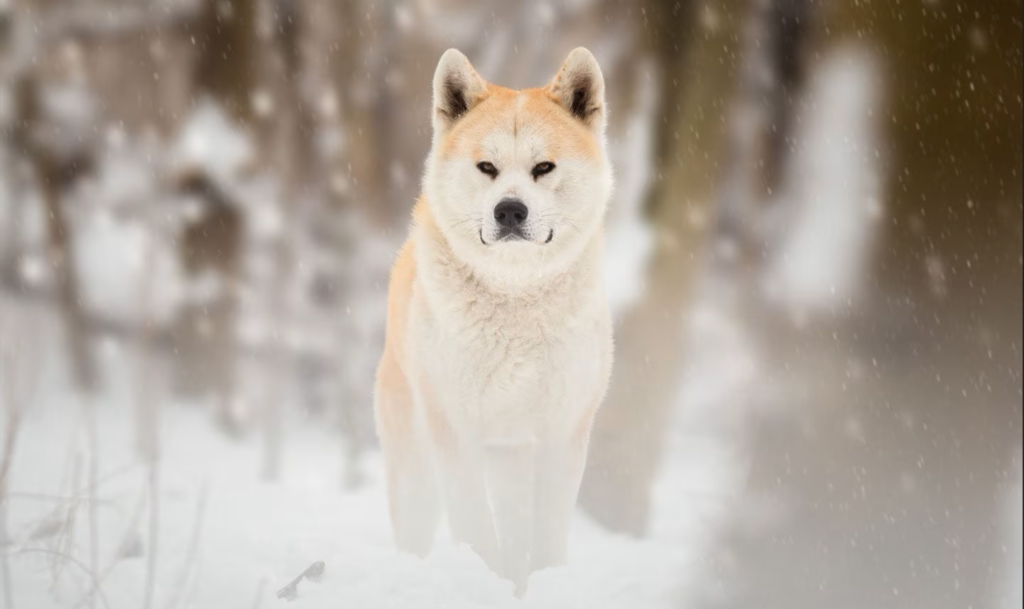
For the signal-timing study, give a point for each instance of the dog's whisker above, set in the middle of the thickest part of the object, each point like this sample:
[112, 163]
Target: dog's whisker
[476, 226]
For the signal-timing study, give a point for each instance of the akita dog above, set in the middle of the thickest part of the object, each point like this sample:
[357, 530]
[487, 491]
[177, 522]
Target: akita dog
[499, 336]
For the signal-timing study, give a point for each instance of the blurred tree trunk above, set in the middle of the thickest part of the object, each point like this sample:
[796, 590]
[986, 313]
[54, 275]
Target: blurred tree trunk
[629, 433]
[226, 36]
[53, 174]
[292, 156]
[697, 51]
[330, 60]
[205, 335]
[364, 97]
[760, 121]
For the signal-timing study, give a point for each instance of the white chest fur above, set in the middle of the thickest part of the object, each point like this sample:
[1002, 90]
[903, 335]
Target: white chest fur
[509, 365]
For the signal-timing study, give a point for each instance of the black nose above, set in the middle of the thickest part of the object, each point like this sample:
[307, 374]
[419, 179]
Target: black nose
[510, 213]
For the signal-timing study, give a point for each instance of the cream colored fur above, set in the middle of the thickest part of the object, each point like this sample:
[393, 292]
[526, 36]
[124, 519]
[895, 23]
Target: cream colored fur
[499, 352]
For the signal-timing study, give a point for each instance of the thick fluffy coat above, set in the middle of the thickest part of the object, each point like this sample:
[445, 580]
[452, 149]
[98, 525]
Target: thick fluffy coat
[499, 341]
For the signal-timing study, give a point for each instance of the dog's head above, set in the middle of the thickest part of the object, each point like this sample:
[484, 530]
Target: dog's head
[518, 181]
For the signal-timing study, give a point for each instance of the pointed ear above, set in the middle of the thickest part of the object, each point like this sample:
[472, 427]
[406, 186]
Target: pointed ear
[457, 88]
[579, 87]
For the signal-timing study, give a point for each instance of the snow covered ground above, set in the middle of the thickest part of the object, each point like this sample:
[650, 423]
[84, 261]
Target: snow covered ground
[225, 538]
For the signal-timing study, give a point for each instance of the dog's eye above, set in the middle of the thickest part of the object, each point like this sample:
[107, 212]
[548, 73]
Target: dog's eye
[542, 169]
[488, 169]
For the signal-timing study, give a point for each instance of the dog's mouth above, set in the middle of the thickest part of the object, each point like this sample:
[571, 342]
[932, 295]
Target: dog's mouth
[513, 234]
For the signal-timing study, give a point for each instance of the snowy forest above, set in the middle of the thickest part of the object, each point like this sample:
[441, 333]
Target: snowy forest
[814, 265]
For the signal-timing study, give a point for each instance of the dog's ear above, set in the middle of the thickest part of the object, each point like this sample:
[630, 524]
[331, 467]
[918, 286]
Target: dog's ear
[579, 87]
[457, 88]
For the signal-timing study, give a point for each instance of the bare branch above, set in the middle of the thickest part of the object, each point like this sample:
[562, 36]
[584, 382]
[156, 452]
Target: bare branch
[191, 556]
[154, 530]
[69, 559]
[12, 417]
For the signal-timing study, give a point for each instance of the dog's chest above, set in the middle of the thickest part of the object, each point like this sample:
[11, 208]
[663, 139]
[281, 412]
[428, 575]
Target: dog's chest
[512, 364]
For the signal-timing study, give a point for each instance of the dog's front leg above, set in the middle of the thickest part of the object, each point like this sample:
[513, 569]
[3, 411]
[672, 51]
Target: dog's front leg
[412, 496]
[464, 486]
[561, 461]
[511, 480]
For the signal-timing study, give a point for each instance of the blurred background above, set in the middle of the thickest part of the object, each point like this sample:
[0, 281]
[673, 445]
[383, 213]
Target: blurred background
[815, 266]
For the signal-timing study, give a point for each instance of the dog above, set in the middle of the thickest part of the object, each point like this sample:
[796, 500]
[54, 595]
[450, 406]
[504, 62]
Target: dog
[498, 346]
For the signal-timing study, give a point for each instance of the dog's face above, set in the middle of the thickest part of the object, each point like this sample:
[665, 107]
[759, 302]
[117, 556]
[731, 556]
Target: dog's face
[518, 181]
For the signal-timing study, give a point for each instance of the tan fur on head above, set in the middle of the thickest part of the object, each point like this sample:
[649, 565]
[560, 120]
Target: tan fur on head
[476, 122]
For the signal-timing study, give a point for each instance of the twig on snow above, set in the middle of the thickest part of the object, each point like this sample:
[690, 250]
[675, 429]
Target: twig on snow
[313, 573]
